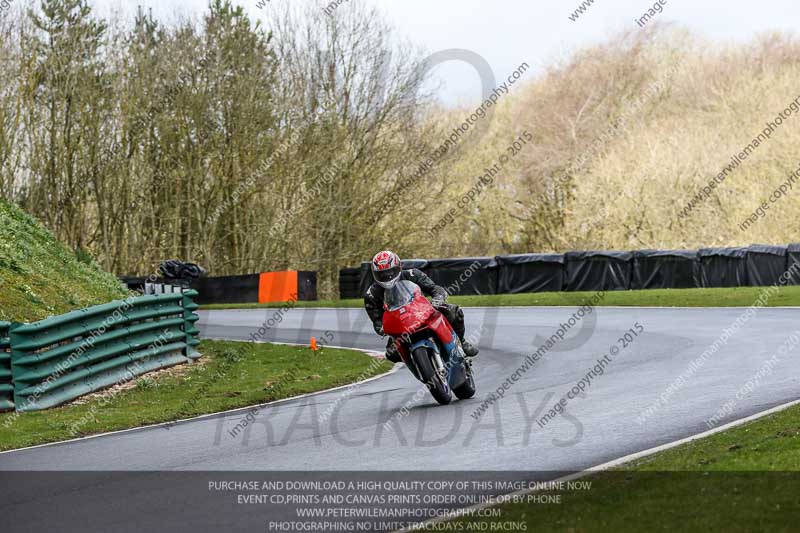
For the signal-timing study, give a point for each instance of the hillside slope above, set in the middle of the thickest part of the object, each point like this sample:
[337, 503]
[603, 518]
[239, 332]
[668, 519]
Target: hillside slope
[615, 144]
[39, 276]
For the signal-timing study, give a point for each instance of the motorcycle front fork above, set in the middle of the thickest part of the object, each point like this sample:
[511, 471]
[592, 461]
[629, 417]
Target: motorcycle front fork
[439, 364]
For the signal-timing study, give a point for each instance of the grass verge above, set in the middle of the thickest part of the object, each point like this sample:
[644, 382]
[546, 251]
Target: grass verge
[228, 376]
[743, 479]
[723, 297]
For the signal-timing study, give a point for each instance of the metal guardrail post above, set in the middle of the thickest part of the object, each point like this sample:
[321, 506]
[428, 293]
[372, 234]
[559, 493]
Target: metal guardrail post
[6, 383]
[190, 317]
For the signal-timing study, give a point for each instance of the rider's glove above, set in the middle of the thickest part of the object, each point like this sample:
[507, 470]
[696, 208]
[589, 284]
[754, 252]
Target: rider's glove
[379, 331]
[438, 302]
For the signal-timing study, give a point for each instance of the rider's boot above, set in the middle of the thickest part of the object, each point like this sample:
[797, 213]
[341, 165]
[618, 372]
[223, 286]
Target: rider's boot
[470, 350]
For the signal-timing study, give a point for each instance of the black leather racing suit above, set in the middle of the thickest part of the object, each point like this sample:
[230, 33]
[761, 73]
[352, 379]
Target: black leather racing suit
[373, 303]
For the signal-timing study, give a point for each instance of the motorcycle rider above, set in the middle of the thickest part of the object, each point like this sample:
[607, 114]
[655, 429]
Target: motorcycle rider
[387, 270]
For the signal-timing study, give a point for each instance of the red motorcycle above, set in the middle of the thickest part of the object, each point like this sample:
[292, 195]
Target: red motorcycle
[427, 343]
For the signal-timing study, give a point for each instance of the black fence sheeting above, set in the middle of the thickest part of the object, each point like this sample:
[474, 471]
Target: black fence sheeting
[421, 264]
[306, 286]
[663, 269]
[366, 279]
[227, 289]
[598, 271]
[349, 283]
[756, 265]
[793, 263]
[464, 275]
[530, 273]
[721, 267]
[222, 290]
[765, 264]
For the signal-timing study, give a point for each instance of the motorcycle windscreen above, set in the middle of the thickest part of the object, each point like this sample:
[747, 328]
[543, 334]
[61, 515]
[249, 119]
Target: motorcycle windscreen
[400, 295]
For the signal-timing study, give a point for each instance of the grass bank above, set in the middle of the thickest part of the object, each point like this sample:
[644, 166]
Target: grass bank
[723, 297]
[39, 276]
[228, 376]
[743, 479]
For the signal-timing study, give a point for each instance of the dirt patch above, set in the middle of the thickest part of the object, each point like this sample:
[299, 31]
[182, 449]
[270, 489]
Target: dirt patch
[176, 371]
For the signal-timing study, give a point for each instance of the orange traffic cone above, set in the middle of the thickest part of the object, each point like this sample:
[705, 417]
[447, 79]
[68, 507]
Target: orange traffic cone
[314, 344]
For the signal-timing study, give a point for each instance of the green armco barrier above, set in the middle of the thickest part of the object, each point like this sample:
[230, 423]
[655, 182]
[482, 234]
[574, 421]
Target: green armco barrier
[63, 357]
[6, 387]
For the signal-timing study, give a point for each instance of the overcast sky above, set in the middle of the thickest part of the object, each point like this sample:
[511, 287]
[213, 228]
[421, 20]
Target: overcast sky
[509, 32]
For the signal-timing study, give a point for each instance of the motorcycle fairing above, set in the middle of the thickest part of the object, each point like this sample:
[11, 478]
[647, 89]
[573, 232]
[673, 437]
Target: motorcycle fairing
[452, 358]
[407, 311]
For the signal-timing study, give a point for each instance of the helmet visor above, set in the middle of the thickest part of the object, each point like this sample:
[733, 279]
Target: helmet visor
[386, 276]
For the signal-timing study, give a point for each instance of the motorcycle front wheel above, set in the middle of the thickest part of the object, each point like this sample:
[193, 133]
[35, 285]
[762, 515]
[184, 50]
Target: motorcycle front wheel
[467, 389]
[432, 379]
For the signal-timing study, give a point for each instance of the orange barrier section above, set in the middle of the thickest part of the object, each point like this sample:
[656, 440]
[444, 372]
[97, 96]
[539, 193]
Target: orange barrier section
[277, 287]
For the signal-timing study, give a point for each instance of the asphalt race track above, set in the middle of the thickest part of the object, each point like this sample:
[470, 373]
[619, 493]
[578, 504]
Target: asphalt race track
[347, 430]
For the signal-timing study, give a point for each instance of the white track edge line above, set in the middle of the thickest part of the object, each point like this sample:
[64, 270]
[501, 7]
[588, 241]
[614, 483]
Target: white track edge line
[371, 353]
[461, 513]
